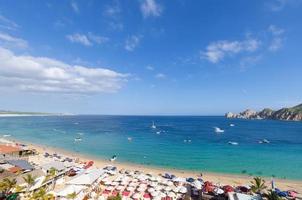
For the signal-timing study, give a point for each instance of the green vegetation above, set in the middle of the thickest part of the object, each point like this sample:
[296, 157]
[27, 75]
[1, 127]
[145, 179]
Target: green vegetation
[30, 180]
[118, 197]
[258, 185]
[72, 195]
[271, 195]
[41, 194]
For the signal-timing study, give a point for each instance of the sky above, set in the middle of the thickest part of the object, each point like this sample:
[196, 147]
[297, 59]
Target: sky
[150, 57]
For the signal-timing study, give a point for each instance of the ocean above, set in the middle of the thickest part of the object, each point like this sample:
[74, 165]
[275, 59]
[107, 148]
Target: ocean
[178, 142]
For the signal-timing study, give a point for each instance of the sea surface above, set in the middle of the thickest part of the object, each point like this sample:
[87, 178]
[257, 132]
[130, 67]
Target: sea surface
[189, 143]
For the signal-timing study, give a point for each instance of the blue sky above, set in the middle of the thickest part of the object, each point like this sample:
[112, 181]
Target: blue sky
[149, 56]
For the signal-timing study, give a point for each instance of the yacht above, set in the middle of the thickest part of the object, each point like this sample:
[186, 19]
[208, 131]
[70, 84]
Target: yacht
[153, 125]
[218, 130]
[233, 143]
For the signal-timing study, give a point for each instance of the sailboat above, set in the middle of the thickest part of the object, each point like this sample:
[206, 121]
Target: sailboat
[153, 125]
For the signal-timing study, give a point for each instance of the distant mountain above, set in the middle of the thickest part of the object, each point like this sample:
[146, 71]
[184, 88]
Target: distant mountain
[19, 113]
[293, 113]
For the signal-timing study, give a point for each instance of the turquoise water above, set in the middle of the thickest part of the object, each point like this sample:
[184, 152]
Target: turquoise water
[104, 136]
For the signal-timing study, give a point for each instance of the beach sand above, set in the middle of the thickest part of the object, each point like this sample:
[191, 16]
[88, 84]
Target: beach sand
[216, 178]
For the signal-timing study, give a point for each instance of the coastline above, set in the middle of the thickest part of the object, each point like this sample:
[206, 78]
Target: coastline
[220, 178]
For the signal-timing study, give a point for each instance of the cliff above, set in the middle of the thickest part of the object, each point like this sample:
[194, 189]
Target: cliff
[293, 113]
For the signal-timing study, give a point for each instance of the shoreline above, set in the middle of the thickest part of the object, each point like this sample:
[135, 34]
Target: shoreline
[220, 178]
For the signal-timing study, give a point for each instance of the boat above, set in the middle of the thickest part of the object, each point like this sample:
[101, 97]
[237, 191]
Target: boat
[113, 158]
[129, 139]
[264, 141]
[77, 139]
[233, 143]
[158, 132]
[153, 125]
[6, 135]
[218, 130]
[232, 125]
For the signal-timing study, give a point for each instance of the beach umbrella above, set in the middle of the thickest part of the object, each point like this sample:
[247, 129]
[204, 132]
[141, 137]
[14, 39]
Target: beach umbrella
[132, 184]
[107, 183]
[171, 194]
[151, 190]
[175, 189]
[136, 196]
[152, 178]
[153, 184]
[228, 188]
[158, 179]
[197, 184]
[170, 183]
[158, 187]
[168, 188]
[110, 188]
[141, 189]
[183, 190]
[147, 196]
[217, 190]
[154, 193]
[130, 188]
[164, 182]
[162, 195]
[179, 179]
[120, 187]
[114, 183]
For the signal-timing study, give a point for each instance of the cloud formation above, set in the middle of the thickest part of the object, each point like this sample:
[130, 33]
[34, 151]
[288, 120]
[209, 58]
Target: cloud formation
[150, 8]
[132, 42]
[217, 51]
[160, 76]
[86, 40]
[74, 7]
[42, 74]
[7, 23]
[277, 37]
[11, 41]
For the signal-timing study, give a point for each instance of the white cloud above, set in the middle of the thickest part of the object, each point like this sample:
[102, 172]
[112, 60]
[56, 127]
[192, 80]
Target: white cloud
[7, 23]
[132, 42]
[42, 74]
[79, 38]
[149, 67]
[160, 76]
[97, 39]
[112, 10]
[75, 7]
[279, 5]
[216, 51]
[277, 37]
[12, 42]
[150, 8]
[87, 40]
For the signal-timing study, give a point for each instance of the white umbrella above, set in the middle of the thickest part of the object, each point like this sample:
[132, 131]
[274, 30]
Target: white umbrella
[132, 184]
[120, 187]
[136, 196]
[109, 188]
[175, 189]
[158, 179]
[154, 193]
[152, 178]
[218, 191]
[124, 183]
[141, 189]
[150, 190]
[197, 184]
[179, 179]
[170, 183]
[114, 183]
[107, 183]
[171, 194]
[162, 195]
[158, 187]
[164, 182]
[183, 190]
[153, 184]
[168, 188]
[130, 188]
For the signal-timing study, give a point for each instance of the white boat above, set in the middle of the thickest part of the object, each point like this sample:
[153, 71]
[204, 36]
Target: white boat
[153, 125]
[233, 143]
[264, 141]
[77, 139]
[129, 139]
[113, 158]
[158, 132]
[232, 125]
[6, 135]
[218, 130]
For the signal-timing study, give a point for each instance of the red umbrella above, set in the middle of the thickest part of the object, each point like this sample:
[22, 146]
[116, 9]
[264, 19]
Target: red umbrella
[208, 187]
[228, 188]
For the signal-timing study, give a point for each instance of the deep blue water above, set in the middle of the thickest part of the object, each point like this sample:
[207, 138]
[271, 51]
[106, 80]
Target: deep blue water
[104, 136]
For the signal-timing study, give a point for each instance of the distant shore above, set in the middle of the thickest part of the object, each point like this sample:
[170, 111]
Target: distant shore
[220, 178]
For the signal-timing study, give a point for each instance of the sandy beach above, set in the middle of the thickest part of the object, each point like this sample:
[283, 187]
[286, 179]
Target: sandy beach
[217, 178]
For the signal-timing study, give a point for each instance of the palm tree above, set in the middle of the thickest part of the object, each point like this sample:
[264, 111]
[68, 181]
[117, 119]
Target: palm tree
[258, 185]
[52, 172]
[8, 184]
[271, 195]
[72, 195]
[30, 180]
[41, 195]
